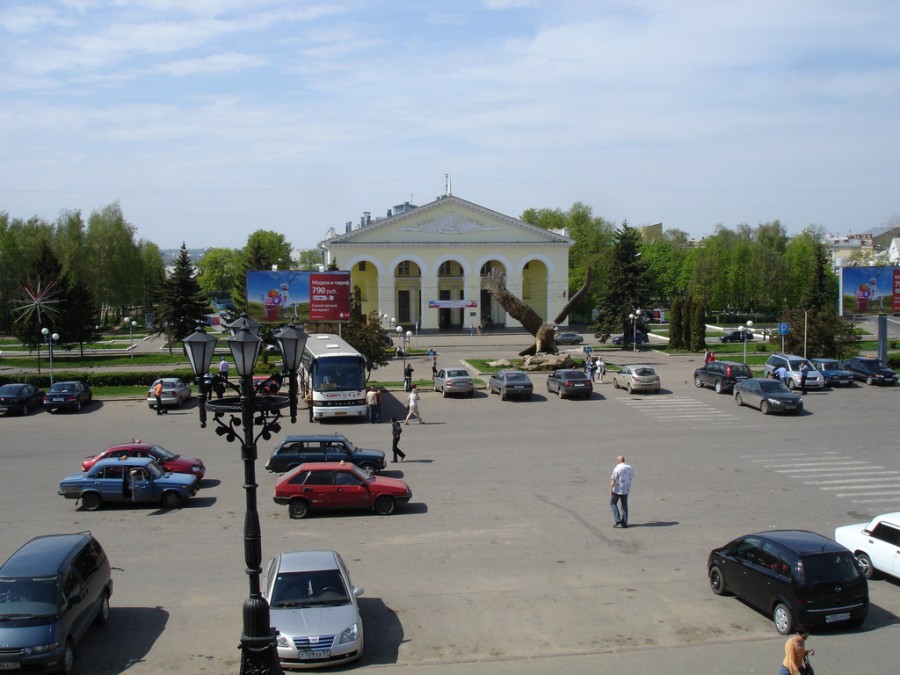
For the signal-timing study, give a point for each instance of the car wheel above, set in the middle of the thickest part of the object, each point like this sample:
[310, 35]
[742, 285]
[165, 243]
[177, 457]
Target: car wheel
[298, 508]
[791, 384]
[68, 659]
[628, 387]
[24, 409]
[866, 563]
[764, 408]
[444, 392]
[180, 402]
[717, 581]
[103, 615]
[172, 500]
[384, 505]
[615, 383]
[869, 380]
[784, 620]
[502, 395]
[78, 405]
[739, 399]
[367, 467]
[698, 382]
[471, 393]
[559, 392]
[90, 501]
[719, 388]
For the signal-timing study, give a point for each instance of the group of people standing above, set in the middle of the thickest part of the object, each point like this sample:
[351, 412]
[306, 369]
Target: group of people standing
[595, 368]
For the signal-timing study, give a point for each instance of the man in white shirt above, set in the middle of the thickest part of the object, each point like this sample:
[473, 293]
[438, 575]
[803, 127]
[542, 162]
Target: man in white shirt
[619, 487]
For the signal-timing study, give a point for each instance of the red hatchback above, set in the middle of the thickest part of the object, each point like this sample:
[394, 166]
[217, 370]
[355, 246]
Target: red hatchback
[330, 486]
[169, 461]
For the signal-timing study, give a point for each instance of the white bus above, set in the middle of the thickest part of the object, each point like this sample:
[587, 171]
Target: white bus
[335, 374]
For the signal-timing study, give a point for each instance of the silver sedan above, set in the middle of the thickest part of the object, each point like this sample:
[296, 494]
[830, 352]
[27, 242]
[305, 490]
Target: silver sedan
[175, 392]
[453, 381]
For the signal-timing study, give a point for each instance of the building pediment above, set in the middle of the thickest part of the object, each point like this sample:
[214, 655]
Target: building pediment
[449, 220]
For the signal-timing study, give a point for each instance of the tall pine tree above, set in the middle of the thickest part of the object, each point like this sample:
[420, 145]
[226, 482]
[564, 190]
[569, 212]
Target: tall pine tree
[183, 304]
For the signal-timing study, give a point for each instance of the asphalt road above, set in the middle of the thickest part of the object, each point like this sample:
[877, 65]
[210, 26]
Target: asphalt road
[506, 560]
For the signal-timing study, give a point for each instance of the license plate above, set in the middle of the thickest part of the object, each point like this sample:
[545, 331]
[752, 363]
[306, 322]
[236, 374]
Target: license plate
[789, 406]
[579, 385]
[314, 655]
[15, 665]
[831, 618]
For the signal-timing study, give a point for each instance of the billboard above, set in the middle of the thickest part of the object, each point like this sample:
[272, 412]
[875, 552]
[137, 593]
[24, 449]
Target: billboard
[291, 295]
[870, 290]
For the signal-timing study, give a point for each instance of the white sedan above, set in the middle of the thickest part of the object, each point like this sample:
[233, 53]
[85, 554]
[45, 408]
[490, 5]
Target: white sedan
[174, 393]
[876, 544]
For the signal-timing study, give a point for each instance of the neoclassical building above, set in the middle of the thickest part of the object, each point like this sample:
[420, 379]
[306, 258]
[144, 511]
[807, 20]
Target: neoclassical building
[426, 265]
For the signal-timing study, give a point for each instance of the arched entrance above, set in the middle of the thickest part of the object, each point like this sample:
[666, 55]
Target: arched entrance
[408, 292]
[492, 313]
[451, 286]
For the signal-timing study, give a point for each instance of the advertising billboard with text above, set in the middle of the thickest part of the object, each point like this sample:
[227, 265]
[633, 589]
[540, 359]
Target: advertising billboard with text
[870, 290]
[280, 296]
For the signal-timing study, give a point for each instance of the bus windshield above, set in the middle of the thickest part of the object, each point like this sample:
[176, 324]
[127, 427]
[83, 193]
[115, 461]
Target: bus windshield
[339, 373]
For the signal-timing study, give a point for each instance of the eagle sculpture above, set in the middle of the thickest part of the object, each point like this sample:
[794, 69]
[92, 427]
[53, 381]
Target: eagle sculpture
[543, 331]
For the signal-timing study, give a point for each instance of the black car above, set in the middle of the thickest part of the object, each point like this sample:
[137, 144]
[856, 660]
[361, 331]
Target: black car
[511, 384]
[870, 371]
[70, 395]
[737, 336]
[570, 383]
[296, 450]
[794, 576]
[631, 337]
[722, 375]
[20, 398]
[767, 395]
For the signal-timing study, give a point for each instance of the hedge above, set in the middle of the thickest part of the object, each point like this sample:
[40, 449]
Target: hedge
[101, 379]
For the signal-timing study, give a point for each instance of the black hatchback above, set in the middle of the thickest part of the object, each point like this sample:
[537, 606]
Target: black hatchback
[721, 375]
[794, 576]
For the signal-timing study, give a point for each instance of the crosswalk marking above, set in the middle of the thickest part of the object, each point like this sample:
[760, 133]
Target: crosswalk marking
[838, 474]
[682, 409]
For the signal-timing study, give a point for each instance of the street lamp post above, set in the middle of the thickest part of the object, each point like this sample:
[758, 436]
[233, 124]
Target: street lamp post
[131, 327]
[50, 340]
[402, 346]
[746, 332]
[635, 316]
[245, 411]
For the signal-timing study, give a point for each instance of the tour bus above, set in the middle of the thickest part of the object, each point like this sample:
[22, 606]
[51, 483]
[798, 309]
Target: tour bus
[334, 373]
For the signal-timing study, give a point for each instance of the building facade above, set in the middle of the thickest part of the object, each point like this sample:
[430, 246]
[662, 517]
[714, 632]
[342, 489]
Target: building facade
[425, 267]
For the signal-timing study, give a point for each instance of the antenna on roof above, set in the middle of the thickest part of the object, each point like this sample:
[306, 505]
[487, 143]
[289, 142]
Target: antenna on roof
[448, 189]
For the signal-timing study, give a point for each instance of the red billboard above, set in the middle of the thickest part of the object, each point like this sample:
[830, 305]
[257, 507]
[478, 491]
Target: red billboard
[329, 296]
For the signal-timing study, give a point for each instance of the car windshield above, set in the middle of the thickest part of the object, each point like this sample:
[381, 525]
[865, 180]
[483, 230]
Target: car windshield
[62, 387]
[516, 377]
[155, 470]
[773, 386]
[160, 452]
[10, 389]
[320, 588]
[22, 597]
[574, 375]
[829, 569]
[798, 363]
[644, 372]
[827, 365]
[457, 373]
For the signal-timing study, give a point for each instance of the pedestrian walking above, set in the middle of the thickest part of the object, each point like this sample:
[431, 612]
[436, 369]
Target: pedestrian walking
[309, 404]
[619, 489]
[591, 368]
[396, 430]
[413, 406]
[601, 369]
[407, 377]
[157, 393]
[707, 356]
[223, 369]
[796, 655]
[434, 368]
[372, 404]
[804, 372]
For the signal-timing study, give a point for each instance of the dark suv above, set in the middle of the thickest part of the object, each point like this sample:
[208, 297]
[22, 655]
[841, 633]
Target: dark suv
[296, 450]
[870, 371]
[51, 591]
[794, 576]
[722, 375]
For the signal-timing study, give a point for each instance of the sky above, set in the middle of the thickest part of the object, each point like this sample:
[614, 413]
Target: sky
[209, 119]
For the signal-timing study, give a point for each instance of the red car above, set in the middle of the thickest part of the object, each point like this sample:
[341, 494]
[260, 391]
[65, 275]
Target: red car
[338, 485]
[169, 461]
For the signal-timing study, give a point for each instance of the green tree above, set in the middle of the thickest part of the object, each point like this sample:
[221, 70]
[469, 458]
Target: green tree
[676, 331]
[698, 326]
[263, 251]
[183, 304]
[217, 271]
[625, 287]
[153, 277]
[115, 260]
[80, 317]
[309, 260]
[365, 333]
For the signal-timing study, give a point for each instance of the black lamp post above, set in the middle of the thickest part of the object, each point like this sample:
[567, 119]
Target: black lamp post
[259, 654]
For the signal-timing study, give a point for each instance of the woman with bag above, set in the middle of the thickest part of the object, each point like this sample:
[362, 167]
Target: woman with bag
[796, 661]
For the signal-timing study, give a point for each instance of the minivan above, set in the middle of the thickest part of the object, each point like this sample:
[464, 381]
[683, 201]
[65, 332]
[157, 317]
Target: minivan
[51, 590]
[792, 365]
[794, 576]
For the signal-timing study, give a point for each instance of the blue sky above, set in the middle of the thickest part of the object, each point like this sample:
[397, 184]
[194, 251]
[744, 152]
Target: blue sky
[209, 119]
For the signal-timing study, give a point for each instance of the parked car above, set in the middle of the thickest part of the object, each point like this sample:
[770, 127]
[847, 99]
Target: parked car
[70, 395]
[511, 384]
[296, 450]
[630, 337]
[834, 372]
[169, 461]
[722, 375]
[320, 486]
[794, 576]
[128, 480]
[792, 365]
[51, 591]
[875, 544]
[767, 395]
[313, 608]
[453, 381]
[868, 370]
[737, 336]
[175, 393]
[636, 378]
[569, 339]
[570, 383]
[20, 398]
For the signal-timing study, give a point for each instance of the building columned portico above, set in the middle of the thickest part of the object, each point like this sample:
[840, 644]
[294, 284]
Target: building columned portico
[426, 266]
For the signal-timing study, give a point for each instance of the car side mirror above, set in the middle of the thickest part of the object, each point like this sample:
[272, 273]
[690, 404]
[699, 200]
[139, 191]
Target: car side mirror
[358, 591]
